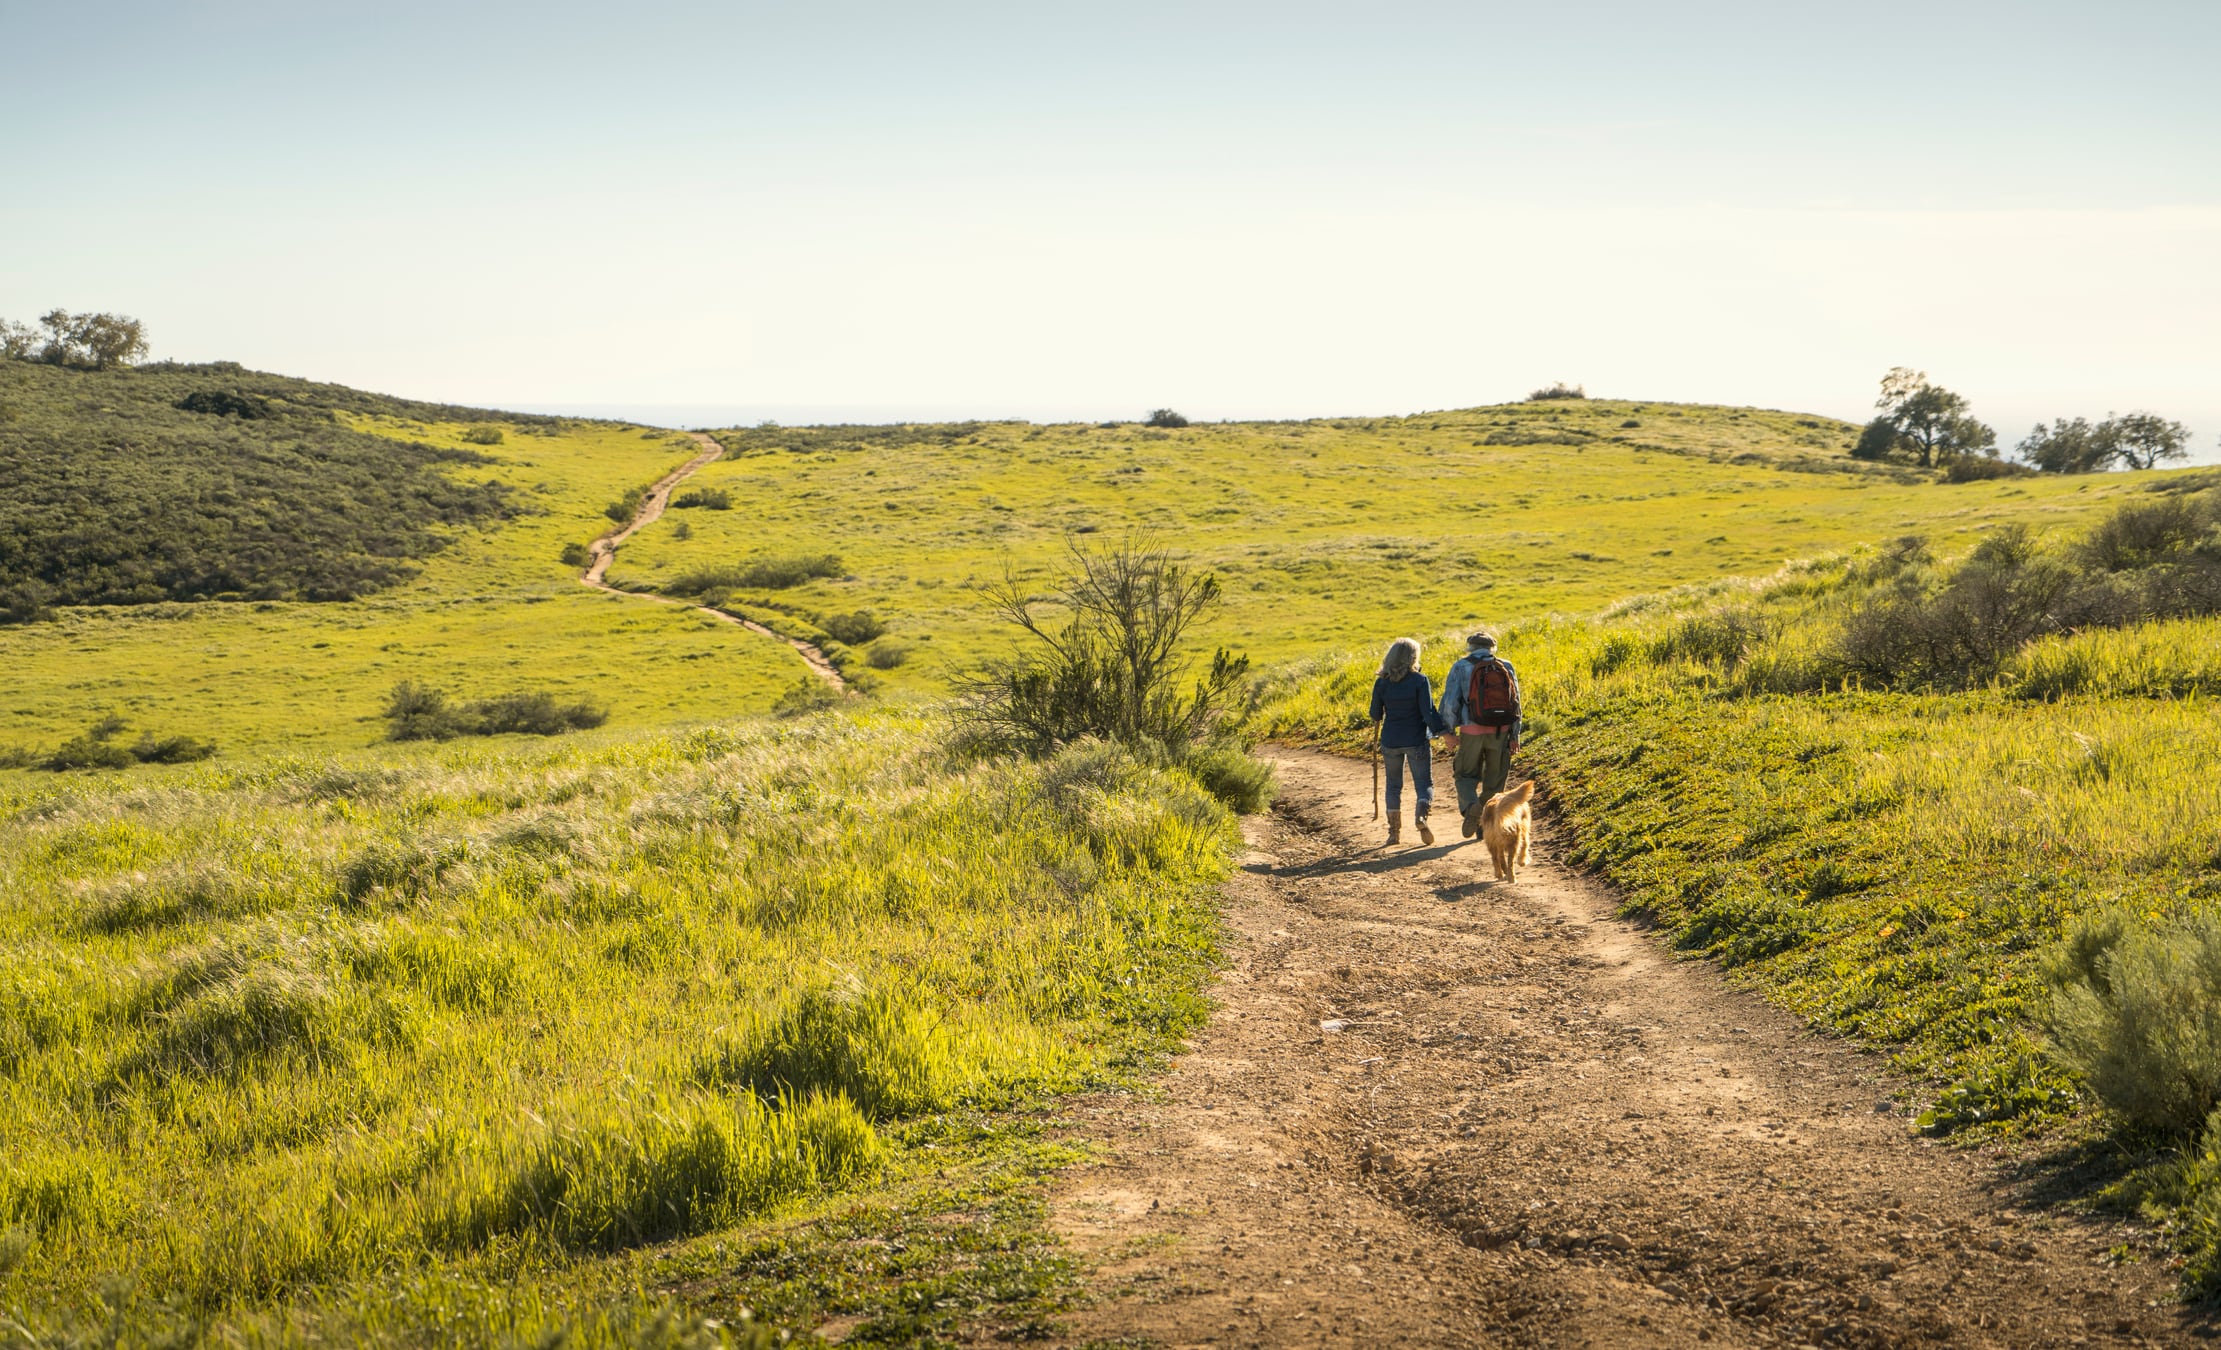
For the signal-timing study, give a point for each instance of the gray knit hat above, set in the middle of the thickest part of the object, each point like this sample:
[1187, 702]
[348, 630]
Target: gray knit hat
[1483, 641]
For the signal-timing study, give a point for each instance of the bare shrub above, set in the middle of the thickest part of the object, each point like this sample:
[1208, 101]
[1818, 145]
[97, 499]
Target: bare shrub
[1560, 390]
[1105, 657]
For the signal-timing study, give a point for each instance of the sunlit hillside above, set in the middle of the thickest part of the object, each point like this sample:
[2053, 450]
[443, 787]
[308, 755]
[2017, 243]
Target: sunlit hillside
[1325, 533]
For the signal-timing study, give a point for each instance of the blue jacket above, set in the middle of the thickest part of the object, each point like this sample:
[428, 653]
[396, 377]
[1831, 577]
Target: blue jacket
[1408, 704]
[1459, 683]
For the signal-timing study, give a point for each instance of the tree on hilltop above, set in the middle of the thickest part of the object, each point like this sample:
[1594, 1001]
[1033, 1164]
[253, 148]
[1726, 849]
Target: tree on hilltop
[2142, 440]
[1922, 421]
[2138, 440]
[1165, 417]
[94, 341]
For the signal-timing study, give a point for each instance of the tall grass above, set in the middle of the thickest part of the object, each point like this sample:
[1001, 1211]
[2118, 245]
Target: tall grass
[273, 1037]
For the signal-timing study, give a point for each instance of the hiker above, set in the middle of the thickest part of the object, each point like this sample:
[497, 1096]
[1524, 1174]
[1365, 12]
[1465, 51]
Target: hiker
[1480, 700]
[1407, 722]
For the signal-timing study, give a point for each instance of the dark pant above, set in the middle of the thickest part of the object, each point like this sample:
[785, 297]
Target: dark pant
[1480, 767]
[1421, 760]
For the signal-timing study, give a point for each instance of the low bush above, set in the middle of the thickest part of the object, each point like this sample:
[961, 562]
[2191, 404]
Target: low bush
[626, 507]
[576, 555]
[88, 751]
[1983, 468]
[153, 749]
[419, 713]
[225, 403]
[764, 574]
[1560, 390]
[2137, 1011]
[96, 748]
[887, 653]
[25, 602]
[1165, 417]
[482, 435]
[855, 628]
[707, 499]
[1246, 785]
[808, 694]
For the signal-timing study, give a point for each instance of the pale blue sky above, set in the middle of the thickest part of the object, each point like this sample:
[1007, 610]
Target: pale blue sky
[1042, 209]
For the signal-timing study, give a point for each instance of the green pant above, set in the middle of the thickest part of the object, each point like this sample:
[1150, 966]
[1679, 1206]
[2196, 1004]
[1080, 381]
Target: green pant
[1480, 767]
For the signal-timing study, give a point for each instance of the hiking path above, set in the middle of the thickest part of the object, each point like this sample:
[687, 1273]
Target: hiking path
[603, 551]
[1534, 1127]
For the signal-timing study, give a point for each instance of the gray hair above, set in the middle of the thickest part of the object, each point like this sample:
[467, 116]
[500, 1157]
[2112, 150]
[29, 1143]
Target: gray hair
[1402, 658]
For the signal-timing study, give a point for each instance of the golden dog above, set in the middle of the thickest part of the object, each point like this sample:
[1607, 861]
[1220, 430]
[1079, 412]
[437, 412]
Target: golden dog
[1505, 824]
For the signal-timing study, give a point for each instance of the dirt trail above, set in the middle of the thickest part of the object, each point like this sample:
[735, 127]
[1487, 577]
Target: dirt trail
[1536, 1129]
[603, 551]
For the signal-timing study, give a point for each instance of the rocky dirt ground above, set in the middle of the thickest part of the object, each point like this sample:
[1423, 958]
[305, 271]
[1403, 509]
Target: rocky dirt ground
[1438, 1110]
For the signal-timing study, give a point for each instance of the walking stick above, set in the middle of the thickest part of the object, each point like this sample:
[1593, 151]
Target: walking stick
[1377, 732]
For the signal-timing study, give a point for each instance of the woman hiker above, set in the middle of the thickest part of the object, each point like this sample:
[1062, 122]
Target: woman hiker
[1405, 714]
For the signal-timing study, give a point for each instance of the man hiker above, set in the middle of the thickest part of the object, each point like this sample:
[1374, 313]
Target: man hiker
[1480, 699]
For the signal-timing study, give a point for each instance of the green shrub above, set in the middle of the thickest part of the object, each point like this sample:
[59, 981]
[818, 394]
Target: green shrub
[1165, 417]
[152, 749]
[2137, 1011]
[855, 629]
[576, 555]
[25, 602]
[626, 507]
[85, 752]
[887, 653]
[225, 403]
[707, 499]
[1983, 468]
[808, 694]
[482, 435]
[1560, 390]
[419, 713]
[1246, 784]
[765, 574]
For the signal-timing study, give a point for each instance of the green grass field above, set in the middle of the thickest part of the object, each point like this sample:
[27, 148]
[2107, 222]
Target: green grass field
[1325, 533]
[461, 1045]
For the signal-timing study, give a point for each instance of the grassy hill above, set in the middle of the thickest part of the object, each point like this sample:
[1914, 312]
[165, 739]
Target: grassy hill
[1325, 533]
[199, 482]
[484, 607]
[482, 1042]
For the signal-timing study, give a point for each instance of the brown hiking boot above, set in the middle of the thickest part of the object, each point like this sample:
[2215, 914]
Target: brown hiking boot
[1426, 836]
[1395, 827]
[1472, 822]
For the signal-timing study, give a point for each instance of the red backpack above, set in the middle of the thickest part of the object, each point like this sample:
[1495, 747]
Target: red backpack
[1492, 700]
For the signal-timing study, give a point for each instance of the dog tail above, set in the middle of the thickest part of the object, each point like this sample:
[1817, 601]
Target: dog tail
[1517, 797]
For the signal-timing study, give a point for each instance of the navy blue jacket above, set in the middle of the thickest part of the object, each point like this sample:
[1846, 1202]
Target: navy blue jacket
[1408, 704]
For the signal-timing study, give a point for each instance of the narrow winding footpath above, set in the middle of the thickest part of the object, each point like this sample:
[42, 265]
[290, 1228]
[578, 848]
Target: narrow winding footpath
[1437, 1110]
[603, 551]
